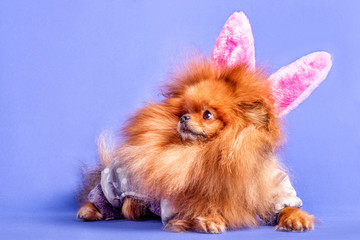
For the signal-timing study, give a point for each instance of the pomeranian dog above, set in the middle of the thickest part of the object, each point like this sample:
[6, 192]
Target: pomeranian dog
[208, 149]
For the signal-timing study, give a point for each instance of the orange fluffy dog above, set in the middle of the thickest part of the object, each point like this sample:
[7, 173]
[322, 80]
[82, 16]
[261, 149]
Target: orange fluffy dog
[209, 147]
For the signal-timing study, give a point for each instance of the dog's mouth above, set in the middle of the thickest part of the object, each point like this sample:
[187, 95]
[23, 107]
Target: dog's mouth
[187, 133]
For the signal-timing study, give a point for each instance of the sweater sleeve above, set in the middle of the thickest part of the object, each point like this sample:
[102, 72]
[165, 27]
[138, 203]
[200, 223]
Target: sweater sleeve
[285, 196]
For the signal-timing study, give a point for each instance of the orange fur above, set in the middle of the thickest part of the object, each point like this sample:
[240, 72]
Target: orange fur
[208, 147]
[216, 172]
[133, 209]
[89, 213]
[295, 220]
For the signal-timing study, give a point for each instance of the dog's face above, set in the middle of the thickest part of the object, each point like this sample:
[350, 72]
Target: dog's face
[202, 116]
[199, 125]
[210, 105]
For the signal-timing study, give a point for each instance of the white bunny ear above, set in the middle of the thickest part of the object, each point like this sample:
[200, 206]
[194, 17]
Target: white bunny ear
[235, 44]
[293, 83]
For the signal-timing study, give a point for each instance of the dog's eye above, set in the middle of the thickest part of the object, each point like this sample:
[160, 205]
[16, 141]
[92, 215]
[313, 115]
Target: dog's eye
[207, 115]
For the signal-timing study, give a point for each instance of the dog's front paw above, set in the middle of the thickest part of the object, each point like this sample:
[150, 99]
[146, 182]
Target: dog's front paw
[177, 225]
[209, 225]
[295, 220]
[198, 224]
[89, 213]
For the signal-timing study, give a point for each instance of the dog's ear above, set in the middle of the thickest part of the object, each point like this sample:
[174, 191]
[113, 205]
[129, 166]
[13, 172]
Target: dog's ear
[256, 112]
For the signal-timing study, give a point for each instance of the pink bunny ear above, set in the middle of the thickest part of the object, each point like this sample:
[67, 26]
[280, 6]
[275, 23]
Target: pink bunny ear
[235, 43]
[293, 83]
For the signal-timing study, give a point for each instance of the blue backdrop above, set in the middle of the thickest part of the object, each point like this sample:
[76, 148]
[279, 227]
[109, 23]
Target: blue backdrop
[71, 69]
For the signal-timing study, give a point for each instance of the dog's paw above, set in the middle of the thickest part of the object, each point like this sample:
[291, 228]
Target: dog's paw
[198, 224]
[295, 220]
[89, 213]
[134, 209]
[209, 225]
[177, 225]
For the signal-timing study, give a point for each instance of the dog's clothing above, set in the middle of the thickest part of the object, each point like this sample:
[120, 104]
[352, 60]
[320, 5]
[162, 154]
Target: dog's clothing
[108, 196]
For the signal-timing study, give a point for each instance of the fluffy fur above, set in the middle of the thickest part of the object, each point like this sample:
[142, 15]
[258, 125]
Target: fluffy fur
[222, 169]
[215, 171]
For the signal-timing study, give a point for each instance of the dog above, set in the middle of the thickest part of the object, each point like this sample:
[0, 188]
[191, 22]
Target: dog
[209, 149]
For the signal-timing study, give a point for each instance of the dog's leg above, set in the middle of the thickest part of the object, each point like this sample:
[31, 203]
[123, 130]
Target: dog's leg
[209, 224]
[88, 212]
[295, 220]
[199, 224]
[134, 209]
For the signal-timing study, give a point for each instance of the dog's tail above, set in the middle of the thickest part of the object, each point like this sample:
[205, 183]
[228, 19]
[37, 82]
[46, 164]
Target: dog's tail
[105, 148]
[90, 176]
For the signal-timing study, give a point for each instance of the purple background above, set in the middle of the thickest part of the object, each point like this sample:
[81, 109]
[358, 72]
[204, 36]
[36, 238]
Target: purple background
[71, 69]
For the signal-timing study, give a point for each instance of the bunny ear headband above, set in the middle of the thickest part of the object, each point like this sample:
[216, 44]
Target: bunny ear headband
[291, 84]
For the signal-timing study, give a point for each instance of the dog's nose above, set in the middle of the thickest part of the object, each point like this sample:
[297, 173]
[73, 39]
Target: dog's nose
[184, 118]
